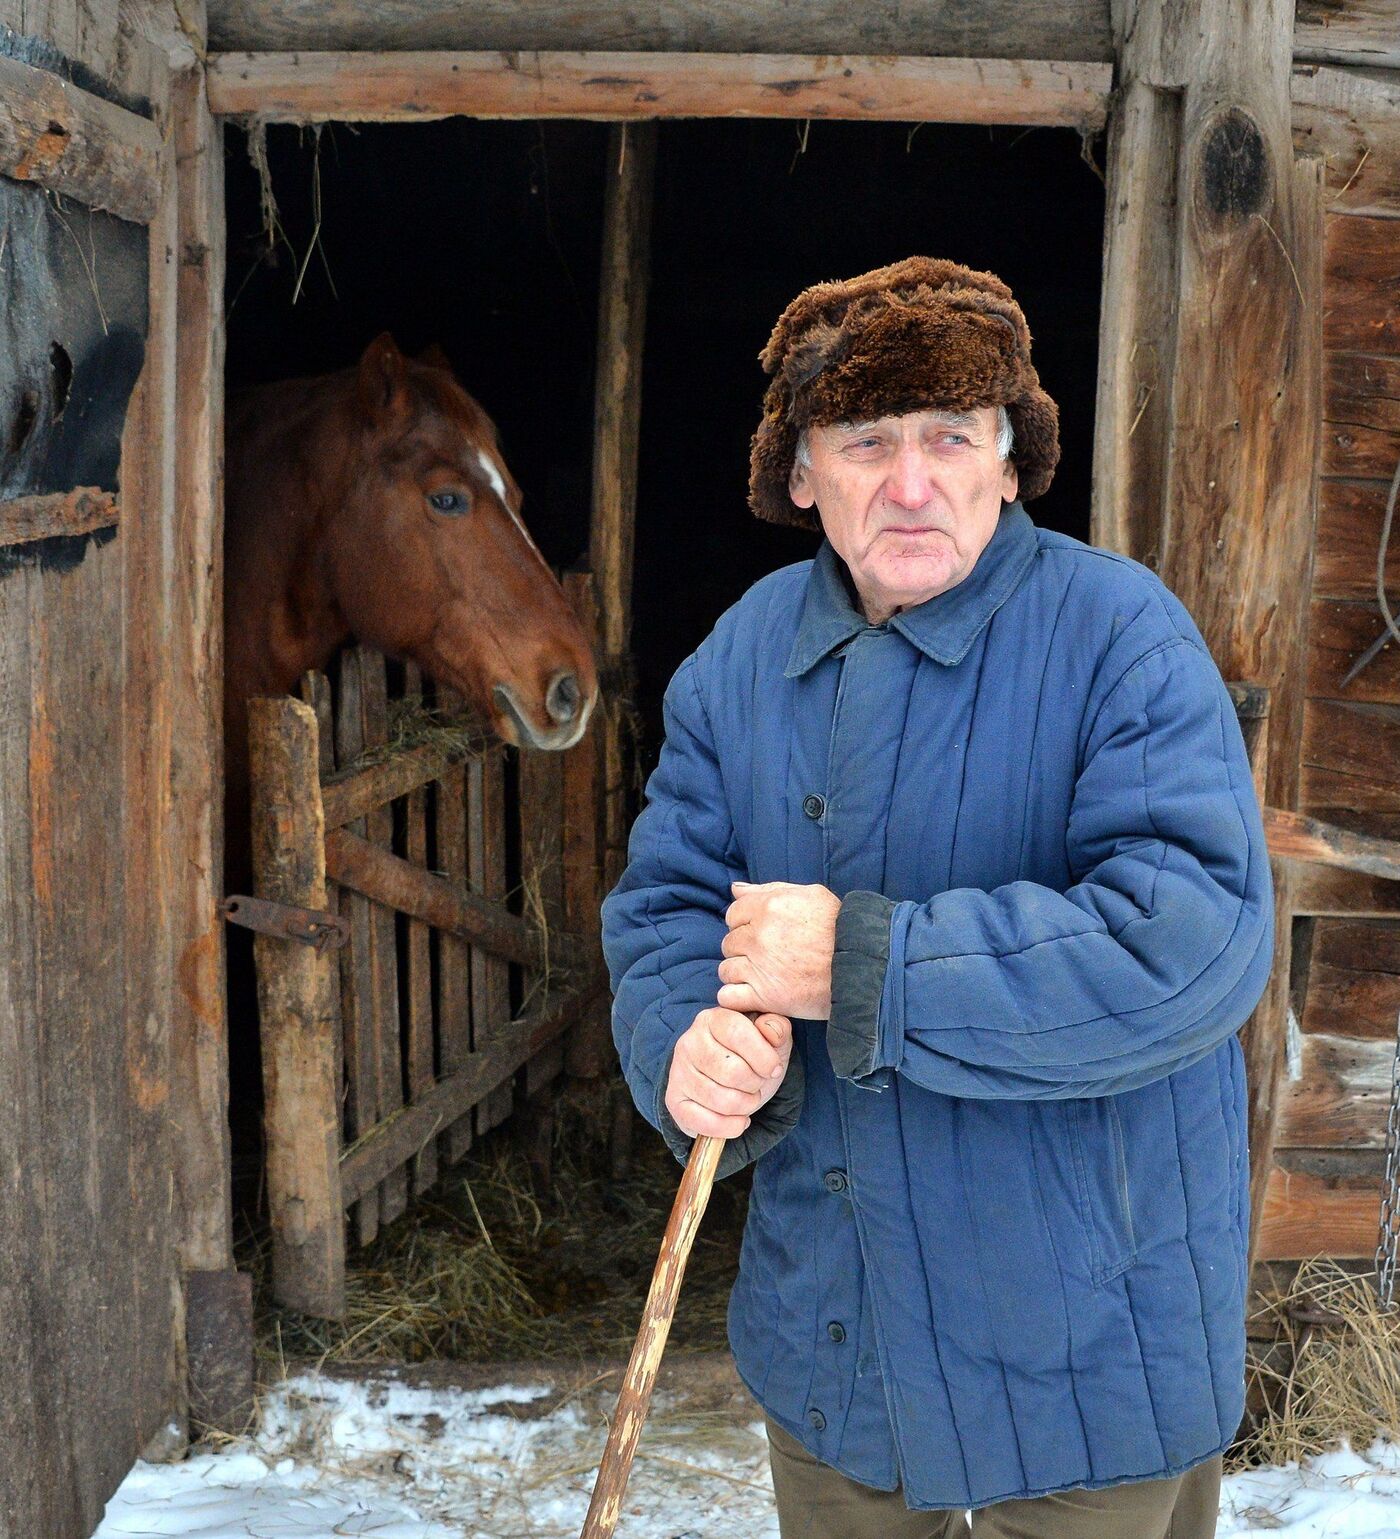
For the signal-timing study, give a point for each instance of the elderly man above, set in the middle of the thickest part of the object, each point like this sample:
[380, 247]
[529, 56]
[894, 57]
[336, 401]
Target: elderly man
[948, 900]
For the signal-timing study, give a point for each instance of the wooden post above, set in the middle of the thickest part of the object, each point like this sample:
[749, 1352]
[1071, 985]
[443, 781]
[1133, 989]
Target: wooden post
[199, 1037]
[1209, 398]
[297, 1013]
[490, 975]
[617, 405]
[589, 1051]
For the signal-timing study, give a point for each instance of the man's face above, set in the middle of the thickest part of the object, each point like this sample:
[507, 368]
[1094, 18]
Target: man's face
[909, 502]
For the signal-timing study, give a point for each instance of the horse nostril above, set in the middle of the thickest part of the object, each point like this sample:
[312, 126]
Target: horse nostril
[563, 697]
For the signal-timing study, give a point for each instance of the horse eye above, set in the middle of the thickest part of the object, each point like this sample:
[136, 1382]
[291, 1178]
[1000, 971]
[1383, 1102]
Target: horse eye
[450, 502]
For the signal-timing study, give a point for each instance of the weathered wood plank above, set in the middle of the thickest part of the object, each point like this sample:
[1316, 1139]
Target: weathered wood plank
[194, 643]
[1343, 1097]
[490, 974]
[1362, 313]
[384, 951]
[514, 1044]
[74, 143]
[1338, 633]
[1307, 1213]
[454, 1012]
[1354, 32]
[542, 857]
[1294, 837]
[1351, 756]
[1029, 29]
[418, 1046]
[1353, 121]
[316, 87]
[295, 983]
[357, 979]
[23, 519]
[351, 793]
[1348, 540]
[394, 883]
[590, 1050]
[1354, 990]
[1361, 410]
[32, 1488]
[151, 860]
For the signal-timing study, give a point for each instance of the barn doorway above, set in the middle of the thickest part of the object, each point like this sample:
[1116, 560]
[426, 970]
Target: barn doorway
[484, 237]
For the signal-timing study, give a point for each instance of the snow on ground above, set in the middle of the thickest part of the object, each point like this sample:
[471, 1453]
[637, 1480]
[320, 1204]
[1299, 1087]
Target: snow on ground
[388, 1461]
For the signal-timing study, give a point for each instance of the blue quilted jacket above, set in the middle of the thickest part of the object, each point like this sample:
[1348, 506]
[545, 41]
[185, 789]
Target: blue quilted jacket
[996, 1241]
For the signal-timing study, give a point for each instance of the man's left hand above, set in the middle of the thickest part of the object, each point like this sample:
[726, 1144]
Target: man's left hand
[777, 954]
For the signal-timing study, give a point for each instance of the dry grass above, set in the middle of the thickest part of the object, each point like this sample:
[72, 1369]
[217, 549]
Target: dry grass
[1337, 1368]
[484, 1267]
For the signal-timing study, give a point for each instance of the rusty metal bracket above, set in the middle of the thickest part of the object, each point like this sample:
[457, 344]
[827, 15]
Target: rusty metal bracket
[313, 926]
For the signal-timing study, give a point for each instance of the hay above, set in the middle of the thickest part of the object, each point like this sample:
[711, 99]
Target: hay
[1339, 1374]
[484, 1268]
[452, 733]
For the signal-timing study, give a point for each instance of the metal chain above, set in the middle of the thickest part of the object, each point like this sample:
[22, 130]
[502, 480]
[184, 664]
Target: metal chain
[1388, 1248]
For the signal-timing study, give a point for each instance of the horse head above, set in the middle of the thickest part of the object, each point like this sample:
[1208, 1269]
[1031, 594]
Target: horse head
[428, 559]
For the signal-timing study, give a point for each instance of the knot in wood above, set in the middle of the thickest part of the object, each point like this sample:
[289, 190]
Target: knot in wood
[1234, 180]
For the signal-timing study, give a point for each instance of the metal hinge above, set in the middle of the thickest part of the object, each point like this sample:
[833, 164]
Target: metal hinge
[313, 926]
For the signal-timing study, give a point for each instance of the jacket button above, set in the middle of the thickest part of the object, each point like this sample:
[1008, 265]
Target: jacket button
[814, 805]
[816, 1420]
[837, 1332]
[835, 1180]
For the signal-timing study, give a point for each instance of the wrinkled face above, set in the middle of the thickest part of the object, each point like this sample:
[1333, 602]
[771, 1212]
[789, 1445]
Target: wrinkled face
[455, 583]
[908, 502]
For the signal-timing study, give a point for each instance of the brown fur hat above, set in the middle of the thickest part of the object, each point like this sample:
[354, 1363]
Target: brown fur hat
[923, 332]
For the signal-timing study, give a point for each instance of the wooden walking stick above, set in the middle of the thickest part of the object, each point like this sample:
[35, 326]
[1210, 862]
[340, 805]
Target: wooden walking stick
[635, 1396]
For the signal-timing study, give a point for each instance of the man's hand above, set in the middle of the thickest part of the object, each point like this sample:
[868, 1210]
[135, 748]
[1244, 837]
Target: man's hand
[777, 954]
[724, 1068]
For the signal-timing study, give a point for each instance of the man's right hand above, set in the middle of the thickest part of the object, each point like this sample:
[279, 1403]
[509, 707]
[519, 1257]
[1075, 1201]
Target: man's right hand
[726, 1065]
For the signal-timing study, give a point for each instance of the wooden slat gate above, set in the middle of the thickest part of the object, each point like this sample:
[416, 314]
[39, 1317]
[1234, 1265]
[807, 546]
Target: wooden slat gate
[383, 1059]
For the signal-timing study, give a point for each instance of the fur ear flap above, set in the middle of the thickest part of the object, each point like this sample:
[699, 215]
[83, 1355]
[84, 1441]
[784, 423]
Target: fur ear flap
[383, 383]
[434, 357]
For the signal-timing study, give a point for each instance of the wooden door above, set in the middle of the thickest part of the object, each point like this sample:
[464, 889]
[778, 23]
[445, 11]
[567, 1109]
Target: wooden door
[105, 955]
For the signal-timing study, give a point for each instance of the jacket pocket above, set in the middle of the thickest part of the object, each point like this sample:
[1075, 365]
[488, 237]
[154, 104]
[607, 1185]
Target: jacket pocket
[1101, 1172]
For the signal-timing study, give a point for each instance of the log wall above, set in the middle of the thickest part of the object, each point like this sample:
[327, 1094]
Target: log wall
[1323, 1194]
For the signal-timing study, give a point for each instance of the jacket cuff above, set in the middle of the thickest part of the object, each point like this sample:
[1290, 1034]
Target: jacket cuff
[859, 965]
[770, 1125]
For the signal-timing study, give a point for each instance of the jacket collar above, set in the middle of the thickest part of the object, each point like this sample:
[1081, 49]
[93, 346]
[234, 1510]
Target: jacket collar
[943, 627]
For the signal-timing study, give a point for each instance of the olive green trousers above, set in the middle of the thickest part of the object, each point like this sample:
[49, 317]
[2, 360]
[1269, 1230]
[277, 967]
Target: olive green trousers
[817, 1502]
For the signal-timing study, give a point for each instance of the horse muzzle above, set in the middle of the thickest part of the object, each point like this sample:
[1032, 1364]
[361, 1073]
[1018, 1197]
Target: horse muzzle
[567, 708]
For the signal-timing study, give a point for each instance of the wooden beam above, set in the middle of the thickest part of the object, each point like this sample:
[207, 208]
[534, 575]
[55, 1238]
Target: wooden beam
[1357, 32]
[24, 519]
[395, 87]
[371, 1158]
[350, 794]
[1208, 426]
[74, 143]
[617, 404]
[1014, 29]
[384, 877]
[297, 1015]
[1321, 1204]
[194, 654]
[1294, 837]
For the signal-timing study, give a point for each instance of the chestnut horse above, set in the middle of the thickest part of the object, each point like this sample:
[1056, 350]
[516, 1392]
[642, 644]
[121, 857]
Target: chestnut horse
[374, 505]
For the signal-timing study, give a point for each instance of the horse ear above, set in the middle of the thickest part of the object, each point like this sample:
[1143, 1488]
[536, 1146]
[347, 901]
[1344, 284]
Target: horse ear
[434, 357]
[382, 382]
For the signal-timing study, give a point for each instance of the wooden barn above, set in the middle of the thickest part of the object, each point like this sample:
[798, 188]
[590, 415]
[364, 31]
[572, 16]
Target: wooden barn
[1204, 229]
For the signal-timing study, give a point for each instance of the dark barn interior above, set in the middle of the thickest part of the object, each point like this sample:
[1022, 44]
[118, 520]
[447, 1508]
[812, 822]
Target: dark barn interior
[484, 237]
